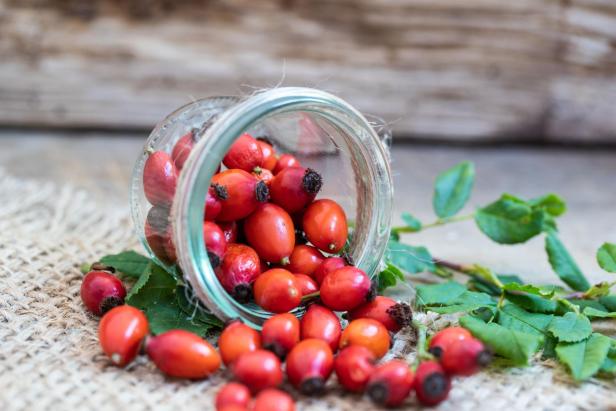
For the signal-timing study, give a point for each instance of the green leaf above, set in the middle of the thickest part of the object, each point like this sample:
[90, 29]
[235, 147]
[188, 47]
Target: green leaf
[606, 257]
[515, 346]
[154, 285]
[533, 303]
[443, 293]
[564, 265]
[453, 189]
[598, 290]
[546, 292]
[549, 347]
[466, 302]
[389, 277]
[408, 258]
[509, 220]
[129, 263]
[166, 315]
[609, 365]
[194, 309]
[515, 318]
[594, 313]
[550, 203]
[584, 358]
[609, 302]
[571, 327]
[411, 222]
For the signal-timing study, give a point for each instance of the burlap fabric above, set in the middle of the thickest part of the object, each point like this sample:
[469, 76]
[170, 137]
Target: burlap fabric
[49, 355]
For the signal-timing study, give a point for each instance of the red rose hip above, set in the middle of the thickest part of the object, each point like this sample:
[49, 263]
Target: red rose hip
[237, 339]
[245, 154]
[233, 393]
[258, 370]
[269, 154]
[431, 383]
[388, 312]
[305, 259]
[272, 399]
[215, 242]
[447, 336]
[121, 332]
[391, 383]
[306, 284]
[465, 357]
[346, 288]
[269, 230]
[159, 178]
[325, 225]
[320, 322]
[216, 194]
[367, 333]
[276, 290]
[239, 269]
[354, 365]
[244, 193]
[230, 230]
[309, 365]
[294, 188]
[280, 333]
[183, 147]
[157, 232]
[101, 291]
[329, 265]
[284, 161]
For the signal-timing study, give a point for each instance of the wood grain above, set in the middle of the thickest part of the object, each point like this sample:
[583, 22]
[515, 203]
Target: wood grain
[473, 70]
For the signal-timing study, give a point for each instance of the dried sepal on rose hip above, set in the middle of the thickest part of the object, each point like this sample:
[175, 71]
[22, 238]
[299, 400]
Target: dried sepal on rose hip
[367, 333]
[233, 393]
[121, 333]
[244, 193]
[432, 384]
[391, 314]
[309, 365]
[321, 323]
[264, 175]
[354, 366]
[237, 339]
[391, 383]
[258, 370]
[276, 291]
[294, 188]
[325, 225]
[159, 179]
[465, 357]
[245, 154]
[101, 291]
[444, 338]
[270, 231]
[239, 269]
[346, 289]
[273, 399]
[182, 354]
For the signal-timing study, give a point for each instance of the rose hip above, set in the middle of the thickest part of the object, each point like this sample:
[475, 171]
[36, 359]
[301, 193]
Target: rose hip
[284, 161]
[230, 230]
[183, 147]
[325, 225]
[216, 194]
[233, 393]
[294, 188]
[269, 154]
[159, 179]
[320, 322]
[465, 357]
[305, 259]
[258, 370]
[306, 284]
[121, 332]
[101, 291]
[244, 193]
[236, 339]
[275, 290]
[391, 383]
[245, 154]
[157, 231]
[346, 288]
[328, 265]
[309, 365]
[215, 243]
[182, 354]
[354, 365]
[447, 336]
[431, 383]
[263, 174]
[239, 269]
[272, 399]
[388, 312]
[368, 333]
[280, 333]
[269, 230]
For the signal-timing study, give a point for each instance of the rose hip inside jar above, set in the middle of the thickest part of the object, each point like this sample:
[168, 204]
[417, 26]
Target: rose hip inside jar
[320, 130]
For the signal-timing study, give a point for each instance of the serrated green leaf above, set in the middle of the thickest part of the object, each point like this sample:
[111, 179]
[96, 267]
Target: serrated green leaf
[515, 318]
[515, 346]
[571, 327]
[481, 285]
[609, 302]
[584, 358]
[591, 312]
[606, 257]
[546, 292]
[140, 283]
[466, 302]
[166, 314]
[452, 189]
[389, 277]
[411, 222]
[408, 258]
[443, 293]
[609, 365]
[551, 203]
[549, 347]
[129, 263]
[564, 265]
[581, 305]
[194, 309]
[154, 285]
[533, 303]
[509, 220]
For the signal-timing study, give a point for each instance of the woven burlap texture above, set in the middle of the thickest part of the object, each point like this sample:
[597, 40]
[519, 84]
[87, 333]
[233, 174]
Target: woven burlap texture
[49, 354]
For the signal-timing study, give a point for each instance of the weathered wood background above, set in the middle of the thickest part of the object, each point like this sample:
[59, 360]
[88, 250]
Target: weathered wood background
[447, 69]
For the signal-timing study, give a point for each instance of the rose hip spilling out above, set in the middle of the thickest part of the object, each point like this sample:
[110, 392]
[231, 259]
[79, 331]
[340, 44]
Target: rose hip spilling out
[346, 288]
[269, 230]
[182, 354]
[305, 259]
[354, 366]
[239, 269]
[309, 365]
[329, 265]
[273, 399]
[237, 339]
[121, 332]
[367, 333]
[101, 291]
[444, 338]
[325, 225]
[244, 193]
[183, 147]
[391, 383]
[388, 312]
[321, 323]
[216, 194]
[276, 290]
[306, 284]
[294, 188]
[280, 333]
[215, 242]
[258, 370]
[159, 179]
[233, 393]
[245, 154]
[431, 383]
[465, 357]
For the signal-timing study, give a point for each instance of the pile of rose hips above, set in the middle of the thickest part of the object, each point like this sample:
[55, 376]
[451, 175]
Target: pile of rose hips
[277, 268]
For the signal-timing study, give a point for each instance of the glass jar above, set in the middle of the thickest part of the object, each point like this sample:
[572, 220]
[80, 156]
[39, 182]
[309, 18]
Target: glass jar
[324, 132]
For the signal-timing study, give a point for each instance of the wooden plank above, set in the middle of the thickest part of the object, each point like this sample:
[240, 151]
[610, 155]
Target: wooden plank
[480, 69]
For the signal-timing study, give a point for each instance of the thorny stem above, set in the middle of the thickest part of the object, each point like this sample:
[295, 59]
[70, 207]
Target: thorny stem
[437, 223]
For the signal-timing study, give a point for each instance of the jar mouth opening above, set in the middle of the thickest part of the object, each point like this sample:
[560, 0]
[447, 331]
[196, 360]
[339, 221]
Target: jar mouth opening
[324, 132]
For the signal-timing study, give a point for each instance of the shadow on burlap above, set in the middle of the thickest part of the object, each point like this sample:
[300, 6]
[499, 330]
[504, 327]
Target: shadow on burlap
[49, 355]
